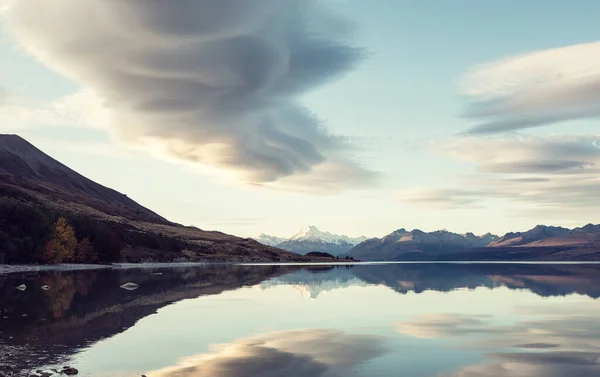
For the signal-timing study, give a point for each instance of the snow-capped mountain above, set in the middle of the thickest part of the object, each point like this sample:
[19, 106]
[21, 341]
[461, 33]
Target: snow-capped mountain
[265, 239]
[310, 238]
[312, 233]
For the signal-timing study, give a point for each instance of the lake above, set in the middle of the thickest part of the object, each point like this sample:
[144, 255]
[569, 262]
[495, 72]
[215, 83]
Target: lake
[447, 320]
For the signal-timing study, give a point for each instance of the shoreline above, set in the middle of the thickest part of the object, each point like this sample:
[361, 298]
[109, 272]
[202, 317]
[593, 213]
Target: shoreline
[6, 269]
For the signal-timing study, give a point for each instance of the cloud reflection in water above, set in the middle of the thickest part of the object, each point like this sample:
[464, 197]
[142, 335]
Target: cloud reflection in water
[552, 346]
[297, 353]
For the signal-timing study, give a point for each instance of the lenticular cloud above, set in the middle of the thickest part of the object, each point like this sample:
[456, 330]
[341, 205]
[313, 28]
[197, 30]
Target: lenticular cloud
[209, 82]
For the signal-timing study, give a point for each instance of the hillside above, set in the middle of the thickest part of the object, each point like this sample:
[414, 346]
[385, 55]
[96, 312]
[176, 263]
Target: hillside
[36, 190]
[26, 169]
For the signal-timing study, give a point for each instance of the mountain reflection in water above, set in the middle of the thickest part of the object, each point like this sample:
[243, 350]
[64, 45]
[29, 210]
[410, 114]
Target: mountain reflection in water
[391, 317]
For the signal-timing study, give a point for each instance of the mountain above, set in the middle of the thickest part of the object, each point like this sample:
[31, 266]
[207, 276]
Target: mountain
[547, 236]
[24, 167]
[312, 233]
[35, 190]
[417, 245]
[541, 243]
[265, 239]
[310, 238]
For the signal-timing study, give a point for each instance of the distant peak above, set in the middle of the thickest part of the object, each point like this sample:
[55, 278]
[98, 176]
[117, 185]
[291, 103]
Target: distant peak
[312, 233]
[308, 230]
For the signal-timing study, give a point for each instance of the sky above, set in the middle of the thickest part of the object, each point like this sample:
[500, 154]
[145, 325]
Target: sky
[360, 117]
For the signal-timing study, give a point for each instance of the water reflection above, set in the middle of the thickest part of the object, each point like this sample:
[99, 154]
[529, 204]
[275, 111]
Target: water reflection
[60, 315]
[289, 353]
[557, 346]
[82, 307]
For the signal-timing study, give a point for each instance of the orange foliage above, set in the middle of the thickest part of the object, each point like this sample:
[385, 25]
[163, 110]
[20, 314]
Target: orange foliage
[61, 247]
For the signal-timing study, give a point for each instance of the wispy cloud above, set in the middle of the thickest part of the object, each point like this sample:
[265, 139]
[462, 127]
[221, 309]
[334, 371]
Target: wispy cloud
[535, 89]
[445, 325]
[556, 175]
[82, 109]
[450, 198]
[214, 82]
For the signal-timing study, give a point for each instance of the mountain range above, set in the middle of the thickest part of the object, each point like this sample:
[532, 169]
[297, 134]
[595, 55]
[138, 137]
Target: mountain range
[540, 243]
[310, 239]
[36, 189]
[548, 236]
[417, 244]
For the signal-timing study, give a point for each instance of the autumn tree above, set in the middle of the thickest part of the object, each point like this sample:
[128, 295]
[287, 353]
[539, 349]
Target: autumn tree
[61, 248]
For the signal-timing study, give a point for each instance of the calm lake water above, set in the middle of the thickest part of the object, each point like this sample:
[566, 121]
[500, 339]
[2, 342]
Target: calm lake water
[488, 320]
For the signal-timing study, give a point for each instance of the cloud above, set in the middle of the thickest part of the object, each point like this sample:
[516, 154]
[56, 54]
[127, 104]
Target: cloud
[453, 198]
[215, 83]
[444, 325]
[535, 365]
[551, 175]
[290, 353]
[550, 346]
[535, 89]
[82, 109]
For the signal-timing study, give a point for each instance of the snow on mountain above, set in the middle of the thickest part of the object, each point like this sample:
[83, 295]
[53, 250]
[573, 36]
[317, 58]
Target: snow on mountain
[312, 233]
[310, 238]
[265, 239]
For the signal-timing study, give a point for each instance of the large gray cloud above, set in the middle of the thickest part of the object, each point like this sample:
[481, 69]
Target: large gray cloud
[317, 353]
[211, 82]
[535, 89]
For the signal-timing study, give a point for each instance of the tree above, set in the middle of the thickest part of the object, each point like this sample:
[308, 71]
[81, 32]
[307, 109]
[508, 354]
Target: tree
[84, 252]
[49, 253]
[107, 245]
[24, 228]
[61, 248]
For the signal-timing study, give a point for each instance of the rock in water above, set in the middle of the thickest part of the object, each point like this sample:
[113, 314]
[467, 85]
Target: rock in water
[45, 287]
[22, 287]
[130, 286]
[70, 371]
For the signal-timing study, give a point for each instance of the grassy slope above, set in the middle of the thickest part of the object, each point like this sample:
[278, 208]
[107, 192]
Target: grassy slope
[200, 245]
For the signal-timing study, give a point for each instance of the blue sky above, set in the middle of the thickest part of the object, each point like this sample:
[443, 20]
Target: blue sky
[410, 114]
